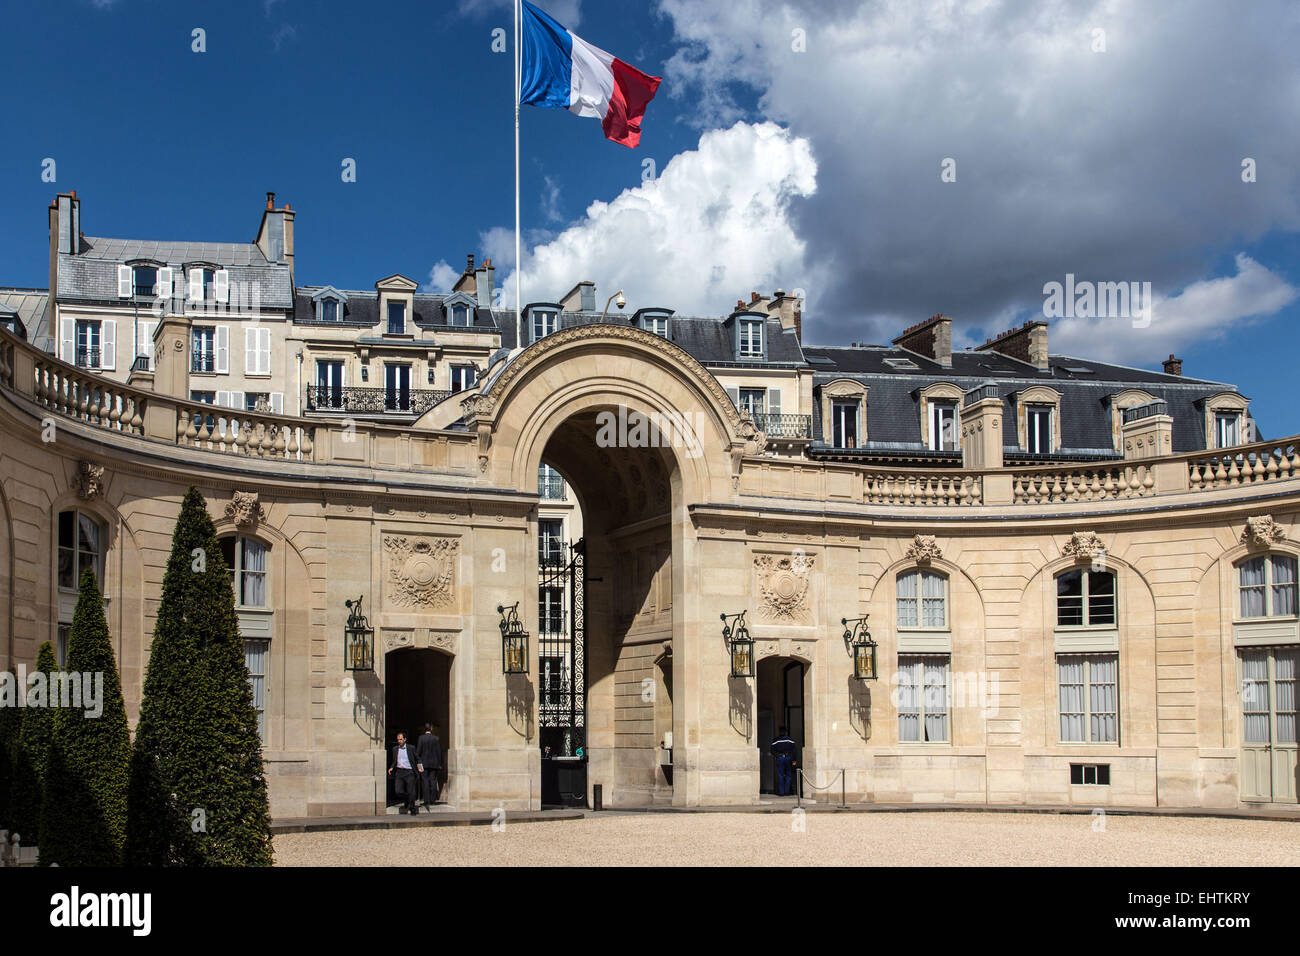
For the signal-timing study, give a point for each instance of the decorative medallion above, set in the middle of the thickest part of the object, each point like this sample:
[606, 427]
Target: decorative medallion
[783, 586]
[923, 550]
[420, 571]
[1084, 546]
[89, 479]
[245, 510]
[1262, 531]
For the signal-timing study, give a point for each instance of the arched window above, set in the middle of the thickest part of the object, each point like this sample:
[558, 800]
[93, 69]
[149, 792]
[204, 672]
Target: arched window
[246, 558]
[1267, 585]
[81, 545]
[922, 599]
[1085, 599]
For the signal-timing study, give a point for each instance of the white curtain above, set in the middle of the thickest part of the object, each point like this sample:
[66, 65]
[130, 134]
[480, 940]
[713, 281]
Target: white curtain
[1070, 669]
[1284, 679]
[909, 698]
[932, 610]
[255, 654]
[936, 699]
[1103, 701]
[1252, 587]
[907, 599]
[1284, 585]
[254, 574]
[1254, 696]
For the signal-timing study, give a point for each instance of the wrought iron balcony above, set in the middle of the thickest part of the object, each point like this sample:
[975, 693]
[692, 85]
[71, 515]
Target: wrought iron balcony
[551, 487]
[783, 426]
[203, 362]
[372, 401]
[87, 358]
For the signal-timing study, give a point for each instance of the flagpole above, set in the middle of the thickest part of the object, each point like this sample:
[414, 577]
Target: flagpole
[519, 302]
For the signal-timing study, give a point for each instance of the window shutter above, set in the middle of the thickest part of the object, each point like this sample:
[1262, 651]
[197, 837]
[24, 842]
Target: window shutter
[774, 401]
[277, 403]
[264, 351]
[196, 284]
[144, 345]
[223, 399]
[221, 285]
[734, 395]
[108, 344]
[68, 340]
[165, 282]
[125, 282]
[237, 401]
[222, 364]
[250, 351]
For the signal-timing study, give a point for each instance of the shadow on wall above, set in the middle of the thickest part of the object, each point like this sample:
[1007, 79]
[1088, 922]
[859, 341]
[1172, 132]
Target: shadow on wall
[860, 707]
[368, 708]
[519, 704]
[741, 706]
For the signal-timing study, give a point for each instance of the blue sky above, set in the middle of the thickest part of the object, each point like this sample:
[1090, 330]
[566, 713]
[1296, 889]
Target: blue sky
[808, 163]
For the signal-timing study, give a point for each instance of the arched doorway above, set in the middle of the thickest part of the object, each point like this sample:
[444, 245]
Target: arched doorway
[604, 678]
[417, 690]
[781, 693]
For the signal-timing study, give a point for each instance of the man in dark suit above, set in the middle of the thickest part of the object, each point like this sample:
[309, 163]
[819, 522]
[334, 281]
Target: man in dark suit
[783, 749]
[403, 769]
[429, 751]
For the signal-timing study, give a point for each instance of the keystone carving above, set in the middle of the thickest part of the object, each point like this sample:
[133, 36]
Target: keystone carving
[1084, 546]
[783, 585]
[923, 549]
[420, 571]
[89, 479]
[1262, 531]
[245, 510]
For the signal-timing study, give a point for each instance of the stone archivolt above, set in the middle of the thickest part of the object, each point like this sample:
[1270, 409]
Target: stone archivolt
[783, 585]
[420, 571]
[1262, 531]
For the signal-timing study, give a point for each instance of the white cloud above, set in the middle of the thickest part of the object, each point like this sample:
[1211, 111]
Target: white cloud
[713, 226]
[441, 277]
[1207, 310]
[1118, 164]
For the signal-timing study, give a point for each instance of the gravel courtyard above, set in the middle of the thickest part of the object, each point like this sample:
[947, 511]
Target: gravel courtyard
[752, 839]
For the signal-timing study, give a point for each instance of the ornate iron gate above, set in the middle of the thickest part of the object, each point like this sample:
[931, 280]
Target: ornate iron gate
[562, 674]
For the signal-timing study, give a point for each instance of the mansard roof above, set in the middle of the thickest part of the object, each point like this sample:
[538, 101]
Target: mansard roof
[361, 308]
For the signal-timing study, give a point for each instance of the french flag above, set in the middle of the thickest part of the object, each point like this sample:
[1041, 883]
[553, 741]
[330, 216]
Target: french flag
[564, 71]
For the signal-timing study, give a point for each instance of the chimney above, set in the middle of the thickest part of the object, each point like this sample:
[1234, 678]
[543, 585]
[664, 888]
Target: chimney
[275, 234]
[931, 338]
[468, 281]
[757, 303]
[1173, 366]
[485, 283]
[789, 309]
[582, 297]
[1027, 343]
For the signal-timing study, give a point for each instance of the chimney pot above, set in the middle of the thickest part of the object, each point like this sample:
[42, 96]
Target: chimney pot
[753, 297]
[470, 260]
[270, 200]
[1173, 366]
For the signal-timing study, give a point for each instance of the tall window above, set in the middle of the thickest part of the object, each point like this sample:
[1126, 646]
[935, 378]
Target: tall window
[753, 401]
[397, 388]
[329, 383]
[922, 599]
[1268, 586]
[81, 545]
[246, 558]
[87, 344]
[460, 315]
[209, 279]
[257, 654]
[550, 541]
[943, 426]
[462, 377]
[550, 610]
[1085, 599]
[1089, 697]
[545, 322]
[923, 697]
[1227, 429]
[1038, 429]
[751, 338]
[203, 351]
[549, 483]
[396, 318]
[1268, 700]
[844, 424]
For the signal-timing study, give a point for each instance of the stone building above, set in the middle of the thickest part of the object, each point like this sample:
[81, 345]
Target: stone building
[1080, 578]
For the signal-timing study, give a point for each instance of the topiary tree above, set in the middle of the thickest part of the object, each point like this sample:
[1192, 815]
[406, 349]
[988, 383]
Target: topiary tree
[10, 724]
[197, 793]
[33, 750]
[83, 812]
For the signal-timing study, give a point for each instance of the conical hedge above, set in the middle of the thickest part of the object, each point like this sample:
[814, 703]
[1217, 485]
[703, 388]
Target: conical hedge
[83, 813]
[197, 794]
[32, 751]
[11, 722]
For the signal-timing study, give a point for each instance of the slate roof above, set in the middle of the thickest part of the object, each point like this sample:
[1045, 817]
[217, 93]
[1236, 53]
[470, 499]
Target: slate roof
[894, 405]
[362, 309]
[90, 275]
[28, 305]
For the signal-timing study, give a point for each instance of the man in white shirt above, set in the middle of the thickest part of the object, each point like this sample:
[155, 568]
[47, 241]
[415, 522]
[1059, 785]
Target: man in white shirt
[404, 766]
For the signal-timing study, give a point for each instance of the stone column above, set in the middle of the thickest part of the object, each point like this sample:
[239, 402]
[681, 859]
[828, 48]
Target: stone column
[981, 441]
[171, 376]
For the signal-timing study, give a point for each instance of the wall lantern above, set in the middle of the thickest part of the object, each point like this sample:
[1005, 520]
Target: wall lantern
[358, 640]
[514, 641]
[740, 644]
[858, 642]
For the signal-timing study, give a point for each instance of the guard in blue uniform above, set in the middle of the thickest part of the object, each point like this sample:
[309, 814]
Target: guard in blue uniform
[784, 749]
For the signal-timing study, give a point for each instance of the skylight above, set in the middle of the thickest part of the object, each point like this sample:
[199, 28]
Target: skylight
[902, 364]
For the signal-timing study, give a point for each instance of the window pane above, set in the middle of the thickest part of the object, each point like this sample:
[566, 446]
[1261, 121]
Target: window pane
[932, 605]
[1284, 669]
[1101, 598]
[1251, 578]
[67, 549]
[254, 573]
[1070, 673]
[255, 656]
[1284, 585]
[1254, 696]
[936, 699]
[1069, 599]
[907, 599]
[1103, 700]
[909, 698]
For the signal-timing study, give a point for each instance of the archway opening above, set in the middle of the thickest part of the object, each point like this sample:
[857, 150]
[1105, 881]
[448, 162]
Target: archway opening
[781, 686]
[620, 623]
[417, 691]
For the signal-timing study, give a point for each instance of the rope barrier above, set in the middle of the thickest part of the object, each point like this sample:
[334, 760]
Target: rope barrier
[798, 795]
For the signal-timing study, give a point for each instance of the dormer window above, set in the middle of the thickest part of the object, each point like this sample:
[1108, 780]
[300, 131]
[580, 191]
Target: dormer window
[396, 318]
[1038, 429]
[329, 310]
[145, 280]
[460, 315]
[656, 323]
[1227, 429]
[545, 322]
[751, 338]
